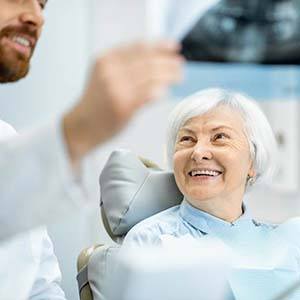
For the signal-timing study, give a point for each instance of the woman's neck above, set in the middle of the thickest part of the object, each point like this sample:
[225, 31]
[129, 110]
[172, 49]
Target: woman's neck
[227, 210]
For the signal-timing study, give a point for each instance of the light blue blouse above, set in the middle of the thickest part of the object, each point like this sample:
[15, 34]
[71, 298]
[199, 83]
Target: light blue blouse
[270, 254]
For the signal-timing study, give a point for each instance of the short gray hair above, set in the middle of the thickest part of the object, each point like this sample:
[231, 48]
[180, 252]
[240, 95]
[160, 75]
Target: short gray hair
[262, 143]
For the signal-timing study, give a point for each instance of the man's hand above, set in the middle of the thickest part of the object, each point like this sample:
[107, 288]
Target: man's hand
[120, 82]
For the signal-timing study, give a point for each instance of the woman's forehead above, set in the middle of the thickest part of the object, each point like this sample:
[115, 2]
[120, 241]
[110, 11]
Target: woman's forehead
[220, 117]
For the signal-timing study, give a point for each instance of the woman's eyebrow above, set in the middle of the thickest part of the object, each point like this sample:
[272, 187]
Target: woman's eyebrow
[222, 127]
[213, 129]
[186, 129]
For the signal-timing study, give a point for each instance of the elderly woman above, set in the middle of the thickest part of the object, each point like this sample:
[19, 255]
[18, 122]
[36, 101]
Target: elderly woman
[219, 144]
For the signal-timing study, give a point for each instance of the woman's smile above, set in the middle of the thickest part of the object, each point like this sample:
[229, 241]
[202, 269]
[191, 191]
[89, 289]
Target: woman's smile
[204, 174]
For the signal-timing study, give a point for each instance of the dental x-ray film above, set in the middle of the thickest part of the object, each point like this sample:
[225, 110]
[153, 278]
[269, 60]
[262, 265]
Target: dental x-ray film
[264, 32]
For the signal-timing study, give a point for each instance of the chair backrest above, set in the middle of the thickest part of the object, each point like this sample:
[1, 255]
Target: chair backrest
[132, 189]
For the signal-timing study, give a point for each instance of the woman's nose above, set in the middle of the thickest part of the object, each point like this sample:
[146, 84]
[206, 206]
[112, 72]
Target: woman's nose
[201, 152]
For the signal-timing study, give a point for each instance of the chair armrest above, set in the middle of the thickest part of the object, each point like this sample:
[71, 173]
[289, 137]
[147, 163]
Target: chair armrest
[82, 276]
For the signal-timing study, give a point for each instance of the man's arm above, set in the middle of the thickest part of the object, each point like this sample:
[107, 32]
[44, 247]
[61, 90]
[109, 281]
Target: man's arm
[37, 181]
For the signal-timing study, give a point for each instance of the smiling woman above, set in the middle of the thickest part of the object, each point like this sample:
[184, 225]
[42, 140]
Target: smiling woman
[219, 143]
[254, 124]
[212, 161]
[225, 132]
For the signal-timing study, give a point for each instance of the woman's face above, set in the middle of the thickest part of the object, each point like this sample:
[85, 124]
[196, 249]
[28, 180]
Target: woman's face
[212, 157]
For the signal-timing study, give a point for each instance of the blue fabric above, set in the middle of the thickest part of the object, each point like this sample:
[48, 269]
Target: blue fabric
[269, 256]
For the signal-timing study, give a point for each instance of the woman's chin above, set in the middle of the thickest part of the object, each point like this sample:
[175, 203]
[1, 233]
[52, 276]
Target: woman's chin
[195, 198]
[203, 193]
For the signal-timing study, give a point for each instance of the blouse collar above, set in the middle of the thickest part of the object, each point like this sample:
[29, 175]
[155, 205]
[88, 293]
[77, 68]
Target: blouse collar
[207, 223]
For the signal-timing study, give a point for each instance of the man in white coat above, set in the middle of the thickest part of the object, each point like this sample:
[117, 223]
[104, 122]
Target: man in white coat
[29, 268]
[40, 178]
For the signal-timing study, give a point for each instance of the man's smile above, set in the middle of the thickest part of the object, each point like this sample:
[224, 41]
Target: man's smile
[21, 43]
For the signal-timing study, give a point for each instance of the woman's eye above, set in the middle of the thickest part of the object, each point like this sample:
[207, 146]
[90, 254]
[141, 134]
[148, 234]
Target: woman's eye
[221, 136]
[186, 139]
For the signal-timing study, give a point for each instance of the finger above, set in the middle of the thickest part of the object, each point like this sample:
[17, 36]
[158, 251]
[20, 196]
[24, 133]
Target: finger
[158, 59]
[166, 78]
[142, 70]
[166, 46]
[143, 50]
[151, 90]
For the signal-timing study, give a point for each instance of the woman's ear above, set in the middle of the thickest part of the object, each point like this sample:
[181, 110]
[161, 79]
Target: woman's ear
[252, 172]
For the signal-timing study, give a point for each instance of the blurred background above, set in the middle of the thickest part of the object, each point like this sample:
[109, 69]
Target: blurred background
[251, 46]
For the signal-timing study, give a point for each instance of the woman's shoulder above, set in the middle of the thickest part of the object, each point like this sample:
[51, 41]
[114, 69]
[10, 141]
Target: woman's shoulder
[168, 216]
[151, 228]
[290, 230]
[289, 225]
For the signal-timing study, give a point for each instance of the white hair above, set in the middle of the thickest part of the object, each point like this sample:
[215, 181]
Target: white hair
[261, 139]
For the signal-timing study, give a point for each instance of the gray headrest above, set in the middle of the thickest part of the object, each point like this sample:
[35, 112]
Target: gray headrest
[132, 190]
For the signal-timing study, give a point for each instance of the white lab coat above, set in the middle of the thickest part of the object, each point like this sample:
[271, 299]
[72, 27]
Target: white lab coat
[29, 268]
[37, 184]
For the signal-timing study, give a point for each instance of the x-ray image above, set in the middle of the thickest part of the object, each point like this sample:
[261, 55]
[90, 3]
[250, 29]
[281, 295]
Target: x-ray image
[258, 31]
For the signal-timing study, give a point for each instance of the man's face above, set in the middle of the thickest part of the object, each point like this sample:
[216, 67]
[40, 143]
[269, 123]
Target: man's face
[21, 22]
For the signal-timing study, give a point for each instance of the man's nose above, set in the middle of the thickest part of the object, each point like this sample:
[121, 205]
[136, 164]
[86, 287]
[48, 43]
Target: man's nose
[32, 14]
[201, 152]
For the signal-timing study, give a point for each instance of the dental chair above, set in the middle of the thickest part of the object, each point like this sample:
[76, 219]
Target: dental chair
[132, 189]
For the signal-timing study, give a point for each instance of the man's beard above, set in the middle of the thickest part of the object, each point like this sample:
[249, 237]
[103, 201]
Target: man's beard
[14, 65]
